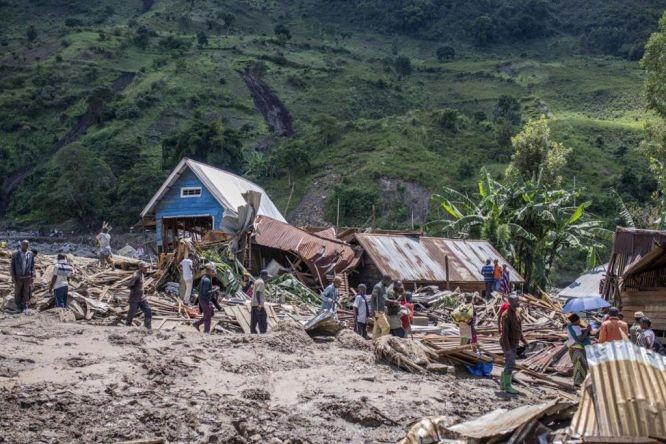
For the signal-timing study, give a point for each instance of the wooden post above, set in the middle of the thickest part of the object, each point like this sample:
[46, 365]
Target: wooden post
[412, 220]
[337, 219]
[446, 268]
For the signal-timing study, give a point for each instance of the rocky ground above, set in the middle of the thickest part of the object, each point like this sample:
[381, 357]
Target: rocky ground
[70, 382]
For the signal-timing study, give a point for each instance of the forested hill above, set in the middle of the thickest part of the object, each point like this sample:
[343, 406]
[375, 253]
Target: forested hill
[370, 103]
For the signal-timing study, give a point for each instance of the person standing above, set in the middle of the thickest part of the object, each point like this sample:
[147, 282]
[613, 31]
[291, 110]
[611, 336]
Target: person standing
[187, 274]
[206, 299]
[23, 275]
[635, 327]
[329, 298]
[497, 275]
[60, 281]
[258, 315]
[613, 329]
[646, 336]
[512, 334]
[104, 243]
[361, 312]
[487, 272]
[578, 338]
[137, 298]
[505, 282]
[378, 302]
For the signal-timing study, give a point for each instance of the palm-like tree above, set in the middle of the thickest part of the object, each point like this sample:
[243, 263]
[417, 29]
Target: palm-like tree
[527, 221]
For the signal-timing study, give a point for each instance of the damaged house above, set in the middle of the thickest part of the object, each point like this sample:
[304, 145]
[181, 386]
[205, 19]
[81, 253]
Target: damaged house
[195, 198]
[421, 260]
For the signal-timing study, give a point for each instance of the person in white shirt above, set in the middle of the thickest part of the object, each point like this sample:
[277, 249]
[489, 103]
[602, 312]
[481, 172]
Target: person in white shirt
[60, 281]
[104, 242]
[187, 273]
[361, 311]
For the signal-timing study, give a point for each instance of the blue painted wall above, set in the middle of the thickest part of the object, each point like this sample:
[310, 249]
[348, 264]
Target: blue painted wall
[172, 205]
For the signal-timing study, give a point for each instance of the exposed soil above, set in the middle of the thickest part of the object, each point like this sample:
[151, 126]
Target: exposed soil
[78, 383]
[84, 122]
[411, 195]
[270, 106]
[310, 210]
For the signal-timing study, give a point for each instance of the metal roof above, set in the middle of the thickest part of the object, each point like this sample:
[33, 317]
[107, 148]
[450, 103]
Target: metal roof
[587, 284]
[624, 393]
[422, 259]
[226, 187]
[326, 255]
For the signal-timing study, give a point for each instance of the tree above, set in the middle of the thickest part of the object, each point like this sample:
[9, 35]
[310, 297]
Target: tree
[202, 39]
[483, 30]
[206, 142]
[529, 221]
[535, 154]
[403, 66]
[507, 118]
[445, 53]
[97, 101]
[282, 33]
[31, 33]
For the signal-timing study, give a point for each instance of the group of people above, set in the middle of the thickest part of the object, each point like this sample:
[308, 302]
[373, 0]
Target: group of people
[496, 278]
[613, 328]
[389, 305]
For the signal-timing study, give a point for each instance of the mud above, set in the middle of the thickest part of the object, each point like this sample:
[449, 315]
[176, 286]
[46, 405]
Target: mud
[63, 382]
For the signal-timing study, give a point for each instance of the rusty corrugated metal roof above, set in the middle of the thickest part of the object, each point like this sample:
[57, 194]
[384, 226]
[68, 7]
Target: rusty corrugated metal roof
[326, 254]
[422, 259]
[625, 392]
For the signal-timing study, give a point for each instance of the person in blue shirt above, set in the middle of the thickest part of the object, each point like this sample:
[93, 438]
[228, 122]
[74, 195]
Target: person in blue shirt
[488, 278]
[329, 297]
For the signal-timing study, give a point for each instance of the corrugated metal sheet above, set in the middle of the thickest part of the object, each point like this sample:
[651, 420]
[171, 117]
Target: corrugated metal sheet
[501, 422]
[422, 259]
[625, 392]
[587, 284]
[327, 255]
[226, 187]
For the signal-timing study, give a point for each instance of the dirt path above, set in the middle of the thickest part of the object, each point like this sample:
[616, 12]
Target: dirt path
[78, 383]
[84, 122]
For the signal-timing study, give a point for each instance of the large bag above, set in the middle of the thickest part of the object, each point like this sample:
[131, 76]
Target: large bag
[463, 313]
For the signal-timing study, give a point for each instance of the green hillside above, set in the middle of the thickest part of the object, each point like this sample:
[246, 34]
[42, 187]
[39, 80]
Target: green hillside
[97, 101]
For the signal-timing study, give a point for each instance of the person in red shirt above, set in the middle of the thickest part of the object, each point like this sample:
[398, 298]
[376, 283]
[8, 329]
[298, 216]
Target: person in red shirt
[497, 275]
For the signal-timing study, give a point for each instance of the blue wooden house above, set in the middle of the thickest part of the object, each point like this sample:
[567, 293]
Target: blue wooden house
[194, 199]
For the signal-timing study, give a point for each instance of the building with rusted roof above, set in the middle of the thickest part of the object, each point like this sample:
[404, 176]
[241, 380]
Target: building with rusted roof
[422, 260]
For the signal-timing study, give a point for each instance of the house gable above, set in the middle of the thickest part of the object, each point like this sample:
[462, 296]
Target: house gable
[181, 201]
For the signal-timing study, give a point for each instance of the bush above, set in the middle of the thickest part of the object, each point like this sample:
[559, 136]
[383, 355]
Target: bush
[356, 204]
[71, 22]
[172, 42]
[445, 53]
[128, 111]
[447, 119]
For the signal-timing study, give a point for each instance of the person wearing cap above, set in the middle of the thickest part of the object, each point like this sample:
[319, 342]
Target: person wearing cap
[59, 285]
[578, 338]
[378, 302]
[613, 329]
[511, 336]
[137, 298]
[329, 298]
[636, 327]
[206, 298]
[23, 275]
[646, 336]
[258, 315]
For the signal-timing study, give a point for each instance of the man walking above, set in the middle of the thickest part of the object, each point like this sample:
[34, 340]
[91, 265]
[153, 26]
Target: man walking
[23, 275]
[206, 299]
[613, 329]
[187, 274]
[329, 298]
[60, 281]
[487, 271]
[361, 312]
[137, 298]
[258, 315]
[512, 334]
[104, 243]
[378, 302]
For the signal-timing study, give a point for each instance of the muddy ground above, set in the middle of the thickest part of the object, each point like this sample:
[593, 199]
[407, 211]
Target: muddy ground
[71, 382]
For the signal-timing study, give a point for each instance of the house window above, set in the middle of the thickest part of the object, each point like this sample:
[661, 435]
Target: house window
[190, 192]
